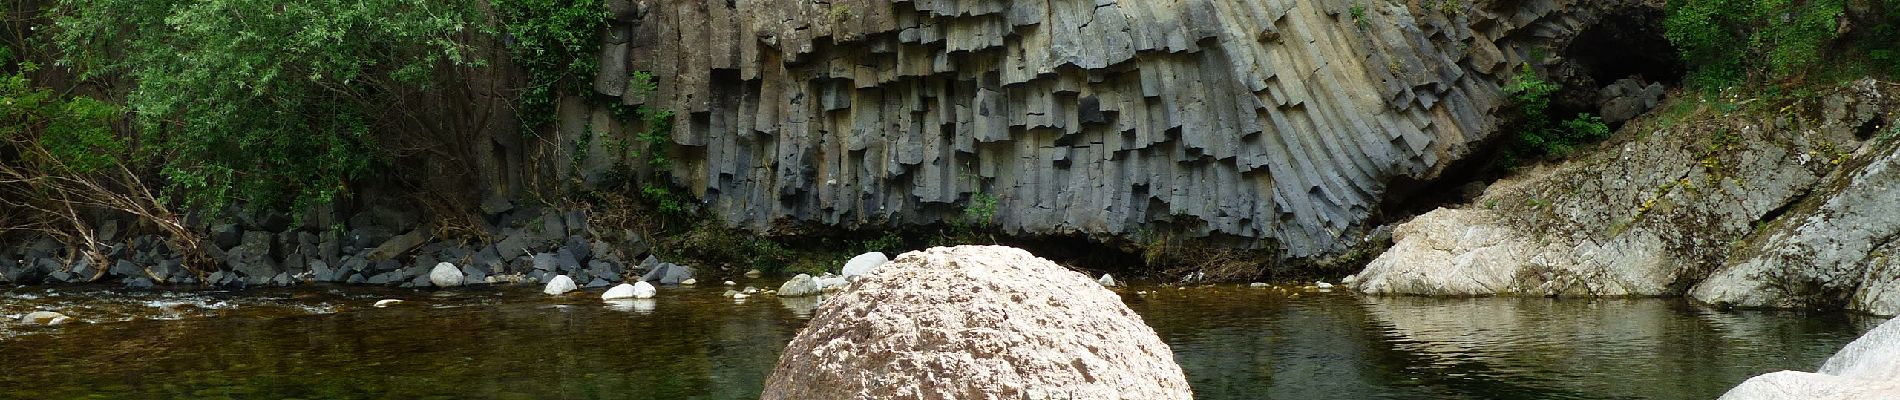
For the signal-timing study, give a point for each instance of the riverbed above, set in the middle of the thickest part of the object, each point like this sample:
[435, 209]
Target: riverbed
[511, 342]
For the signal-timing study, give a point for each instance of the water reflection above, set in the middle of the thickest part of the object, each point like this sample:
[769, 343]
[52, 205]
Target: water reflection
[688, 343]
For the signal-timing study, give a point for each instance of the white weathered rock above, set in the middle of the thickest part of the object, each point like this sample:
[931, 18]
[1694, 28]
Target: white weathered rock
[1867, 369]
[731, 283]
[644, 290]
[387, 302]
[1843, 248]
[622, 291]
[561, 284]
[753, 274]
[689, 282]
[445, 275]
[799, 286]
[864, 263]
[986, 331]
[1447, 252]
[1106, 281]
[48, 318]
[1322, 285]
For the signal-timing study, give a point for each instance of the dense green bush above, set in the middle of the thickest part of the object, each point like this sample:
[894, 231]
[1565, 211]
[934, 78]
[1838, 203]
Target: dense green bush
[554, 41]
[262, 101]
[1729, 42]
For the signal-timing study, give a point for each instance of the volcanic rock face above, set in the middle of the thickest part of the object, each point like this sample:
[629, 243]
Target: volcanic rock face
[976, 322]
[1250, 119]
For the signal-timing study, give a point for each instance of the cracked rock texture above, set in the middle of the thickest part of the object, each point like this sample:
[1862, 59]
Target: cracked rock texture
[1785, 204]
[1242, 120]
[976, 322]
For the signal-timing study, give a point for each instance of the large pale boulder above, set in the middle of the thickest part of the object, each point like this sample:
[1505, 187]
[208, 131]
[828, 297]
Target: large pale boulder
[1449, 252]
[976, 321]
[1867, 369]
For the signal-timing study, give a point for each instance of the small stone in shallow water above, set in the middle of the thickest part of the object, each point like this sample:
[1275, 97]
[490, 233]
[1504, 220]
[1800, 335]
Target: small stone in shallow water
[644, 290]
[740, 295]
[387, 302]
[754, 274]
[47, 318]
[445, 275]
[1258, 285]
[731, 283]
[624, 291]
[1106, 280]
[1323, 285]
[689, 282]
[559, 285]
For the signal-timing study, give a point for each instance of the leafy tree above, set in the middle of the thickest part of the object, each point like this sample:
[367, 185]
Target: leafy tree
[264, 101]
[554, 41]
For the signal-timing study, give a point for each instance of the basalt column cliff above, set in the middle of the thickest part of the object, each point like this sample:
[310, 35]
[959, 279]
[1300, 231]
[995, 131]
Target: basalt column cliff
[1249, 121]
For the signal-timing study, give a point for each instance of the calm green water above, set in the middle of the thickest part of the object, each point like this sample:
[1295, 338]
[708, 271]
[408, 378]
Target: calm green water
[692, 343]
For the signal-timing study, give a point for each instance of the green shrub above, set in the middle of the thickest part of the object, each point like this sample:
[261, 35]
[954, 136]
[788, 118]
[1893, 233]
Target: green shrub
[1729, 42]
[1538, 133]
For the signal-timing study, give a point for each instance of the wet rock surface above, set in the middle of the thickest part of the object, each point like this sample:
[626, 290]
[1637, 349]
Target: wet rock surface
[1867, 369]
[950, 321]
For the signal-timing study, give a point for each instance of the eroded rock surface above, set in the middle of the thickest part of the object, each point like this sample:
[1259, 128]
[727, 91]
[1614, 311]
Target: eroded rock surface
[976, 321]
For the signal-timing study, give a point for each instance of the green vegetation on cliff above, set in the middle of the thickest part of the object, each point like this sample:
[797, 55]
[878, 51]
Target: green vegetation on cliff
[1729, 42]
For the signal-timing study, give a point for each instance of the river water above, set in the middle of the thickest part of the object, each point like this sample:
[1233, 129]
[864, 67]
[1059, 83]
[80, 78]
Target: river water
[693, 343]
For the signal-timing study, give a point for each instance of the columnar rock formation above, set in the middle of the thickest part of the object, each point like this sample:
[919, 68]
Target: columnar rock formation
[1283, 120]
[976, 322]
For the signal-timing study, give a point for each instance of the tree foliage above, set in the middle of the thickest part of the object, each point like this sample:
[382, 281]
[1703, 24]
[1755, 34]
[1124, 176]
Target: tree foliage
[554, 42]
[262, 101]
[1538, 132]
[1729, 42]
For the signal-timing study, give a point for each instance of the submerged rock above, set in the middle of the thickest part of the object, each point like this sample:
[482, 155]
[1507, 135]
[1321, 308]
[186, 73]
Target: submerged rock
[1868, 368]
[986, 331]
[387, 302]
[561, 284]
[445, 275]
[864, 264]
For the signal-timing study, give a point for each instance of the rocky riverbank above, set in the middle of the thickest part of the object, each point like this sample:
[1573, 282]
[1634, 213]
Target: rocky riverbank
[376, 246]
[1754, 202]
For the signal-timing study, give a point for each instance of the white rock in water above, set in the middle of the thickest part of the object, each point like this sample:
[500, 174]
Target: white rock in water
[561, 284]
[1323, 285]
[445, 275]
[48, 318]
[623, 291]
[1868, 368]
[830, 283]
[753, 274]
[1349, 279]
[740, 295]
[864, 263]
[799, 286]
[689, 282]
[1106, 281]
[644, 290]
[731, 283]
[387, 302]
[1259, 285]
